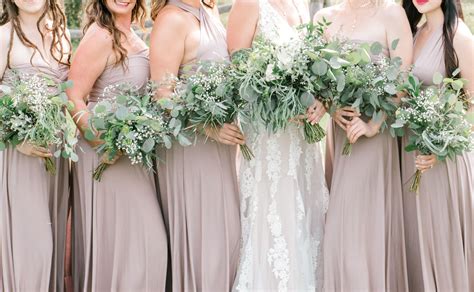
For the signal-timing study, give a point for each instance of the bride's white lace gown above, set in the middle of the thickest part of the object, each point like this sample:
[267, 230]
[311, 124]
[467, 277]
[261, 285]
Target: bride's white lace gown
[284, 199]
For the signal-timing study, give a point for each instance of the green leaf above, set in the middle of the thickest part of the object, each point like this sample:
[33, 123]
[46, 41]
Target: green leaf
[411, 147]
[365, 56]
[334, 62]
[307, 99]
[122, 99]
[65, 85]
[319, 68]
[395, 44]
[183, 140]
[148, 145]
[456, 72]
[437, 78]
[99, 123]
[3, 146]
[376, 48]
[89, 135]
[100, 108]
[354, 58]
[74, 157]
[457, 84]
[341, 82]
[121, 113]
[390, 88]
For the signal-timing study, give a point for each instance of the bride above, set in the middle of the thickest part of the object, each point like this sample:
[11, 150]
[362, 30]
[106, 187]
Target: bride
[284, 196]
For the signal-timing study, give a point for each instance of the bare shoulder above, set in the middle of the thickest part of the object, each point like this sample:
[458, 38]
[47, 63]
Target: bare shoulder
[98, 36]
[171, 16]
[327, 13]
[246, 3]
[391, 11]
[5, 31]
[463, 35]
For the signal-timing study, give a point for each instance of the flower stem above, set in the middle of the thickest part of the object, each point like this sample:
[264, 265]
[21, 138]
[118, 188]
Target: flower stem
[49, 165]
[313, 133]
[100, 170]
[246, 152]
[347, 150]
[415, 185]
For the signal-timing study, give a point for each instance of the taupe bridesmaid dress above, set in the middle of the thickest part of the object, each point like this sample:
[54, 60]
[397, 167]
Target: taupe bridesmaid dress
[364, 236]
[33, 211]
[440, 247]
[199, 192]
[119, 235]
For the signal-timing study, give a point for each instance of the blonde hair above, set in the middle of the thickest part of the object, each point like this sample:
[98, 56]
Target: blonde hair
[156, 6]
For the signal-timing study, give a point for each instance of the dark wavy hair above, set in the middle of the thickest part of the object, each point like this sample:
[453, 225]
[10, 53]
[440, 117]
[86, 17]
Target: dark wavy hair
[97, 12]
[10, 13]
[157, 5]
[452, 11]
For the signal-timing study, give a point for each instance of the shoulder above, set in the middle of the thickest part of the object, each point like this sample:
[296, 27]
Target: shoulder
[98, 36]
[326, 13]
[463, 41]
[247, 3]
[5, 31]
[172, 19]
[463, 35]
[391, 11]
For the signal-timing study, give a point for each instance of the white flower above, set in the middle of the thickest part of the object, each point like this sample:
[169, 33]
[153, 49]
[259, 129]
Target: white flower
[269, 76]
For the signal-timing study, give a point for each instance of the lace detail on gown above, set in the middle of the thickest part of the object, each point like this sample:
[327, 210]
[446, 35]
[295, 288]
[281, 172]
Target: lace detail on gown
[284, 199]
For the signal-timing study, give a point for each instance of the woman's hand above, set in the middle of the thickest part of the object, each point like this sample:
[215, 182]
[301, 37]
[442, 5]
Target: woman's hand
[343, 116]
[34, 151]
[228, 134]
[425, 162]
[315, 112]
[358, 128]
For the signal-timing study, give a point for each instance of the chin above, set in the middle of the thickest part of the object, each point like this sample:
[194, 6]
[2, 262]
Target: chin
[31, 6]
[425, 6]
[120, 7]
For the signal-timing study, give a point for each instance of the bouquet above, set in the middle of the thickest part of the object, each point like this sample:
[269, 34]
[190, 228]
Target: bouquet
[33, 110]
[211, 99]
[276, 80]
[131, 123]
[358, 82]
[437, 119]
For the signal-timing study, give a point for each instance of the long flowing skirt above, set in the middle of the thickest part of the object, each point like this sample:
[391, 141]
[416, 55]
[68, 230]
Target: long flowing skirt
[33, 206]
[200, 202]
[364, 230]
[441, 252]
[119, 235]
[284, 199]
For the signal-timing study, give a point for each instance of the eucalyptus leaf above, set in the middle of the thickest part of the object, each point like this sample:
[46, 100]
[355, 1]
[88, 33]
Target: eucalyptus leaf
[148, 145]
[437, 78]
[395, 44]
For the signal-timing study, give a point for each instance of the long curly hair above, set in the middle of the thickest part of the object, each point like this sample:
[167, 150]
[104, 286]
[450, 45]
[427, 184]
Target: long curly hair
[53, 12]
[157, 5]
[97, 12]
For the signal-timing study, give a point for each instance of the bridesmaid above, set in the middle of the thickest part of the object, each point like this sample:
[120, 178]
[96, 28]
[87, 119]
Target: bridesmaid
[364, 226]
[119, 235]
[441, 251]
[198, 184]
[33, 203]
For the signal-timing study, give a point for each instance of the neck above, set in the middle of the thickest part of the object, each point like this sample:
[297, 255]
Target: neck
[355, 4]
[194, 3]
[434, 18]
[29, 21]
[124, 22]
